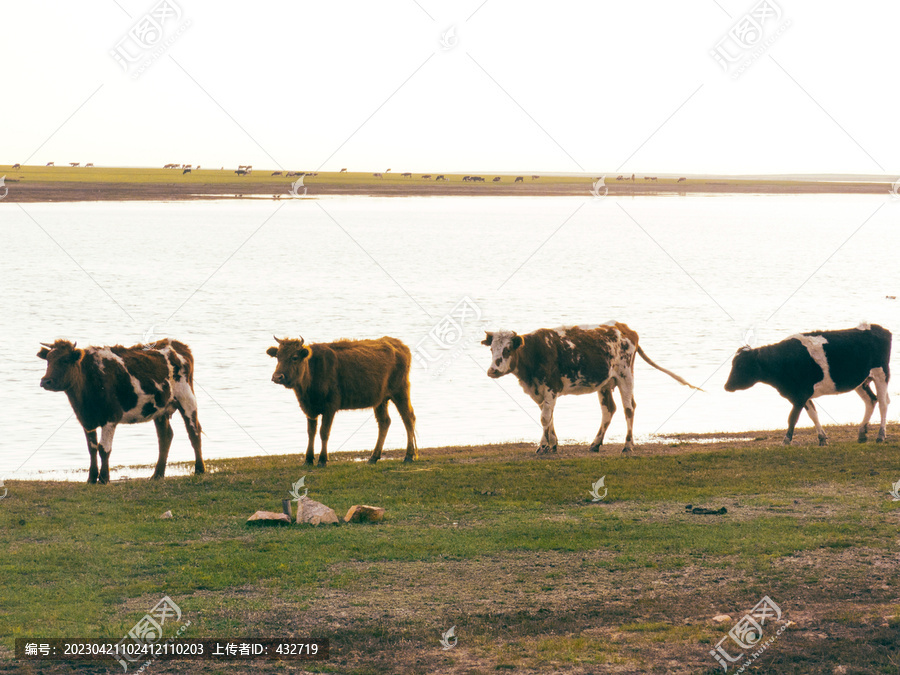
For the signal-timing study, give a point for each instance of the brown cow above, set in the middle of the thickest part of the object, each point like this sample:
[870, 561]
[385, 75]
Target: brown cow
[347, 375]
[108, 386]
[552, 362]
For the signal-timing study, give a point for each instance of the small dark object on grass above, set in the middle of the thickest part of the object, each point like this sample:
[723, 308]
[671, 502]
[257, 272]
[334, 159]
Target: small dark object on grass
[701, 511]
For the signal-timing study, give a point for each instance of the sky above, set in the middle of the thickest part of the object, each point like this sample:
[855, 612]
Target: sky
[710, 86]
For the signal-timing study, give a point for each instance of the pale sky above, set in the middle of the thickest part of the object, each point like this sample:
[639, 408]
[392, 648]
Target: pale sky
[600, 87]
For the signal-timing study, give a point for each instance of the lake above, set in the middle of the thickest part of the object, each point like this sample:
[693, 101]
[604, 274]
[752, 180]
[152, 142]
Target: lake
[695, 276]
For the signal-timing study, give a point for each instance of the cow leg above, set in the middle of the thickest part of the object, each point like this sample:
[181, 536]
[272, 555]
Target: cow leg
[792, 422]
[404, 407]
[384, 423]
[187, 406]
[881, 383]
[311, 424]
[165, 434]
[814, 416]
[324, 433]
[608, 406]
[868, 396]
[626, 390]
[91, 437]
[548, 439]
[104, 449]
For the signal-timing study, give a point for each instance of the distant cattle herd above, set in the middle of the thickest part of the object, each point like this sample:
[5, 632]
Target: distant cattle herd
[112, 385]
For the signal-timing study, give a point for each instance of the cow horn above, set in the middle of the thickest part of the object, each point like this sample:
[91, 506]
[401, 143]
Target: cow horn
[277, 340]
[302, 341]
[44, 344]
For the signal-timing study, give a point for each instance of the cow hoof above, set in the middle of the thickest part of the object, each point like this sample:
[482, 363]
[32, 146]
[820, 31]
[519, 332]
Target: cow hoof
[200, 469]
[157, 476]
[309, 461]
[786, 441]
[553, 449]
[407, 460]
[323, 462]
[862, 439]
[823, 442]
[373, 460]
[92, 480]
[626, 449]
[880, 439]
[594, 448]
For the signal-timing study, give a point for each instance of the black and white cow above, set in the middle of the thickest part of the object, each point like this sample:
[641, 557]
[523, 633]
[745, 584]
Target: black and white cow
[108, 386]
[819, 363]
[552, 362]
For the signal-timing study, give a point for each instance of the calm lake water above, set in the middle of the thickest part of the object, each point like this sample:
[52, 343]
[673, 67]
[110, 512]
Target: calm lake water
[695, 276]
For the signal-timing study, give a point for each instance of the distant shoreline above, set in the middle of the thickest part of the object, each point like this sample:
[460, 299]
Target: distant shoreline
[80, 184]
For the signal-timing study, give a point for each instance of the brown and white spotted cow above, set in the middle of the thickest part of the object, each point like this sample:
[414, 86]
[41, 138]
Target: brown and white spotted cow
[108, 386]
[552, 362]
[347, 375]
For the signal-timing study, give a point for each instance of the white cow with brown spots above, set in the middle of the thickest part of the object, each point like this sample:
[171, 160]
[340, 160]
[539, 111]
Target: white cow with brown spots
[552, 362]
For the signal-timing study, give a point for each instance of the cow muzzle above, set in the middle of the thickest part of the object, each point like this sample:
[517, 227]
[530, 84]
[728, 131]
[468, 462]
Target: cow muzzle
[494, 373]
[49, 384]
[278, 378]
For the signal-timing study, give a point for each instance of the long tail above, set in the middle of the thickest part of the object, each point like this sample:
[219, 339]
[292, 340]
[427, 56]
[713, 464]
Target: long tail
[667, 372]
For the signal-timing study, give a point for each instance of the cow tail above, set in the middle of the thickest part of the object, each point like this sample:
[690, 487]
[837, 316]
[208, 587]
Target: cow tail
[667, 372]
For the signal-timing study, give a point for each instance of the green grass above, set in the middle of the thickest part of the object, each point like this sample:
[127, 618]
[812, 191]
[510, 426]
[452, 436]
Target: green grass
[87, 561]
[46, 174]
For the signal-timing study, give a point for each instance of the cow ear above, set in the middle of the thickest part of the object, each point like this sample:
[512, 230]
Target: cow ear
[488, 338]
[517, 341]
[303, 353]
[74, 356]
[43, 353]
[272, 351]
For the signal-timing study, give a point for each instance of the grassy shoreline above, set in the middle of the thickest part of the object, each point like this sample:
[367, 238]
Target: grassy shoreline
[72, 184]
[506, 546]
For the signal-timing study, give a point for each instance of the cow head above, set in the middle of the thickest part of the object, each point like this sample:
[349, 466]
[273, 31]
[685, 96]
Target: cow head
[293, 363]
[62, 357]
[745, 371]
[503, 344]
